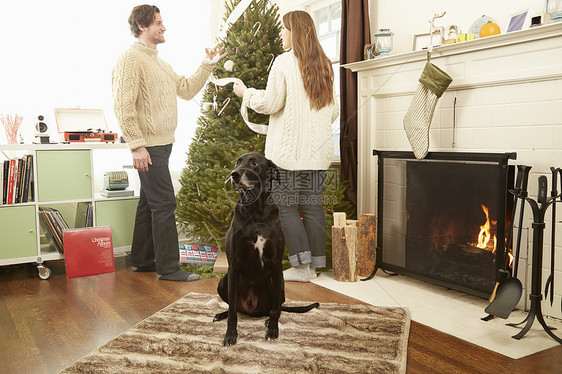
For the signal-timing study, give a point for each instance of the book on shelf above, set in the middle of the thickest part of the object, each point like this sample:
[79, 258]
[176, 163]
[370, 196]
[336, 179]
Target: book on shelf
[21, 178]
[54, 225]
[1, 183]
[16, 176]
[83, 215]
[90, 216]
[17, 180]
[27, 179]
[5, 181]
[31, 196]
[10, 198]
[50, 233]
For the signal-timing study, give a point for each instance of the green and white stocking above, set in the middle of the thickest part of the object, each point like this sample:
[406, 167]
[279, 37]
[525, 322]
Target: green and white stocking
[432, 84]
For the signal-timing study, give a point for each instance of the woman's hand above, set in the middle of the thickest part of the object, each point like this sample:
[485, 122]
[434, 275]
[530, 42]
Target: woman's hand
[239, 89]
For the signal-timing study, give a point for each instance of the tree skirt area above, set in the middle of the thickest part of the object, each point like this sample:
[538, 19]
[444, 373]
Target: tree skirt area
[182, 338]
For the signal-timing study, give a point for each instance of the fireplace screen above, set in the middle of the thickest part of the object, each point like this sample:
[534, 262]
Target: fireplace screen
[443, 219]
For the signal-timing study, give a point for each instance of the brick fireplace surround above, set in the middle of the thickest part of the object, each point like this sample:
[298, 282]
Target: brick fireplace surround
[508, 91]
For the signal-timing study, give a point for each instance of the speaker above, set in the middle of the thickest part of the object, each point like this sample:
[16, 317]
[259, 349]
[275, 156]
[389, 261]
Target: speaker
[42, 131]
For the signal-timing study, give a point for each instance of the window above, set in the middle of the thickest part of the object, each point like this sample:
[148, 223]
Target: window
[327, 18]
[328, 24]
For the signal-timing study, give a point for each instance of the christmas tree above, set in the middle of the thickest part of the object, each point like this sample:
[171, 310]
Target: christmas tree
[205, 203]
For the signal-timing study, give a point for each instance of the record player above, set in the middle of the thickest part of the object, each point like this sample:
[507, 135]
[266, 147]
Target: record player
[83, 125]
[90, 135]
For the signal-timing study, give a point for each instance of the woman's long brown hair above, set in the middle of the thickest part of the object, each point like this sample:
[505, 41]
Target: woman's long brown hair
[315, 66]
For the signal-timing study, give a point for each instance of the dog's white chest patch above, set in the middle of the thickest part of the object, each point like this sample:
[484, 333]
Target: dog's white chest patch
[259, 244]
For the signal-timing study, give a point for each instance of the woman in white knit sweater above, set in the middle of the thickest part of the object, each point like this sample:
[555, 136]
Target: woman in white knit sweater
[300, 99]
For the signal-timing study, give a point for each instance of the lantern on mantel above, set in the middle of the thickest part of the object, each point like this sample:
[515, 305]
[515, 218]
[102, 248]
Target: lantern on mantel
[383, 42]
[554, 9]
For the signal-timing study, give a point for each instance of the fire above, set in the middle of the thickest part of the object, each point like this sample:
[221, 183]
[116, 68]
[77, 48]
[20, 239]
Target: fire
[484, 236]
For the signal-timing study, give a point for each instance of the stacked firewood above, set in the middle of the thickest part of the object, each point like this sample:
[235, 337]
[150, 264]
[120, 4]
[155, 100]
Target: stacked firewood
[353, 246]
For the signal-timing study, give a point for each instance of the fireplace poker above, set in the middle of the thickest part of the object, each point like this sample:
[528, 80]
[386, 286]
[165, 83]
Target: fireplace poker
[554, 194]
[523, 195]
[454, 121]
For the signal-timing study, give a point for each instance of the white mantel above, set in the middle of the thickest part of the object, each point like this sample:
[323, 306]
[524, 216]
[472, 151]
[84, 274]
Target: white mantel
[508, 91]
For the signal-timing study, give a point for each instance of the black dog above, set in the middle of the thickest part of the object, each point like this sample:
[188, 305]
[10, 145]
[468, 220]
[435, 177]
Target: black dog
[254, 247]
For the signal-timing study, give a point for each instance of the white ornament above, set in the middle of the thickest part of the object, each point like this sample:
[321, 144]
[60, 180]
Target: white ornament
[215, 105]
[229, 65]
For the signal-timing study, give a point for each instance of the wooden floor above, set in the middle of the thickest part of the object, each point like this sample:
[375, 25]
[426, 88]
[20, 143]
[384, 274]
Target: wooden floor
[46, 325]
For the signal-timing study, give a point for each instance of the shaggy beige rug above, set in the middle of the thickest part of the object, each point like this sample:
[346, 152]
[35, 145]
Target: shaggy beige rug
[181, 338]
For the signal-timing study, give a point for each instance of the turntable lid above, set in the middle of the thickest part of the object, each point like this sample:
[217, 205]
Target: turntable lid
[77, 120]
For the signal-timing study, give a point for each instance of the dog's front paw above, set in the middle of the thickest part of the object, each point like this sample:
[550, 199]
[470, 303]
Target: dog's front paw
[229, 338]
[220, 316]
[272, 333]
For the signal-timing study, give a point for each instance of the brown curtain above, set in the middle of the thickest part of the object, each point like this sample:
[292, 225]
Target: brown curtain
[355, 33]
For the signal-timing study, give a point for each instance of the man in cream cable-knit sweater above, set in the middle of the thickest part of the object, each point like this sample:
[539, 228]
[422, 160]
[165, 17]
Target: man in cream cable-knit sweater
[145, 91]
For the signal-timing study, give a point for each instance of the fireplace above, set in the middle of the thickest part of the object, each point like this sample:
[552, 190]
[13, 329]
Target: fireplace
[443, 219]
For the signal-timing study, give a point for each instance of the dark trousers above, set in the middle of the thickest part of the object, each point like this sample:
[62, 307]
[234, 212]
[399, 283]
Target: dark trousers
[155, 237]
[303, 220]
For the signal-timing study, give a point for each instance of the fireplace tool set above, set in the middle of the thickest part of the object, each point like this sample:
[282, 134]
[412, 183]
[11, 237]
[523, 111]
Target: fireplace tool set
[508, 291]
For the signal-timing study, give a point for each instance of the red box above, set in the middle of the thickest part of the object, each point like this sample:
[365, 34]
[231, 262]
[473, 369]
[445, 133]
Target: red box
[88, 251]
[198, 253]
